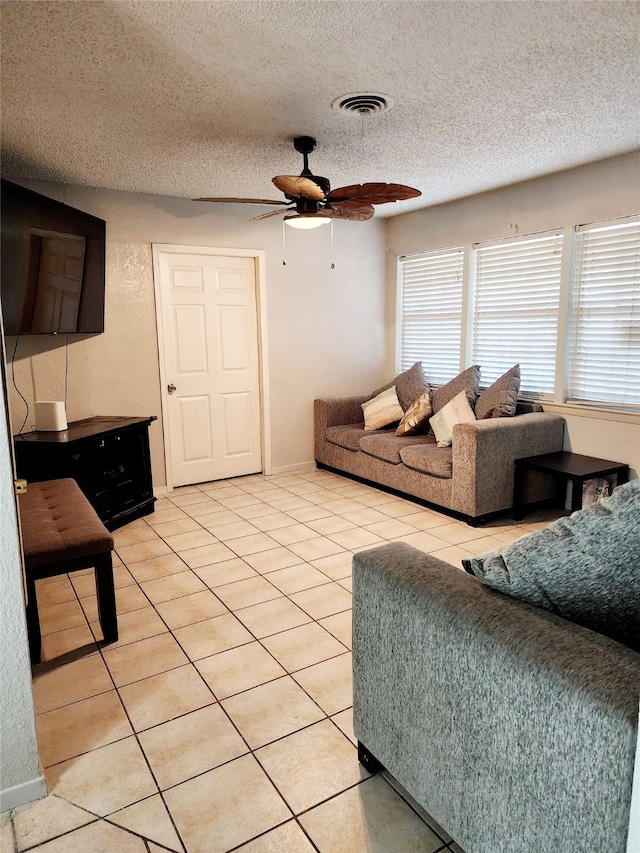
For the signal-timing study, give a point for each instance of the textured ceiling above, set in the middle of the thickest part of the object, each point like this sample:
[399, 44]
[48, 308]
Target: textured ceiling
[189, 98]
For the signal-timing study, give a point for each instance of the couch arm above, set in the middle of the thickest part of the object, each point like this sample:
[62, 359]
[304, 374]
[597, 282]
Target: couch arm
[335, 411]
[512, 727]
[484, 452]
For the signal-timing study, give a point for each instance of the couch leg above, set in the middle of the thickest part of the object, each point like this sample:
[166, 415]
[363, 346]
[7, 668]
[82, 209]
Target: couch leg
[368, 761]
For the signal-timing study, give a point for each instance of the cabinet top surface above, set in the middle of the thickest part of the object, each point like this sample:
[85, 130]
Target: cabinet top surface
[86, 428]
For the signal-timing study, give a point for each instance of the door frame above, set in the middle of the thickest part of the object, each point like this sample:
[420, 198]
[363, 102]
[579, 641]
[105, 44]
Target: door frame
[258, 256]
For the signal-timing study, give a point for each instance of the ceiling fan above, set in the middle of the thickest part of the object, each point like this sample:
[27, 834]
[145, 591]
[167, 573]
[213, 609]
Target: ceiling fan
[311, 201]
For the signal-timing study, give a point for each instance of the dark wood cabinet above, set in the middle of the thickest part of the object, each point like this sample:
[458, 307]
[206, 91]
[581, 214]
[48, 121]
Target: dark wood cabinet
[107, 456]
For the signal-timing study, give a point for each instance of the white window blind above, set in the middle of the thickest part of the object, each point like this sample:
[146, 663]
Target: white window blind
[431, 313]
[517, 298]
[604, 359]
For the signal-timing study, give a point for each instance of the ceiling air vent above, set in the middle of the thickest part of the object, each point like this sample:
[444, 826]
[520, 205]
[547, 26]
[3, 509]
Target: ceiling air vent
[362, 104]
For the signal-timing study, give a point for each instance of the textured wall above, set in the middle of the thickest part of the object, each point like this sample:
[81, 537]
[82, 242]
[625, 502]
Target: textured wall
[325, 327]
[590, 193]
[21, 778]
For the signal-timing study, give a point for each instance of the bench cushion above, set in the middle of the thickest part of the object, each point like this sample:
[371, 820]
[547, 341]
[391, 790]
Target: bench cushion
[58, 523]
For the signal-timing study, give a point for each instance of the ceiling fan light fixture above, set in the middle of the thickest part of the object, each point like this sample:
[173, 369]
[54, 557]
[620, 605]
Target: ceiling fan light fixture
[306, 222]
[310, 201]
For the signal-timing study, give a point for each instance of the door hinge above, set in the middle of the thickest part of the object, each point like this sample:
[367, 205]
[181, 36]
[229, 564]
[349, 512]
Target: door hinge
[19, 487]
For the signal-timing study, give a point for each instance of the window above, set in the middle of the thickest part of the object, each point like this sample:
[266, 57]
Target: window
[515, 317]
[604, 357]
[563, 304]
[430, 313]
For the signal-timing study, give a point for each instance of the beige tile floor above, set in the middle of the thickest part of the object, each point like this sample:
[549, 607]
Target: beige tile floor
[221, 720]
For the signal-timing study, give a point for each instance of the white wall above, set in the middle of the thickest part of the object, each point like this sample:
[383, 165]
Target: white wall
[21, 778]
[589, 193]
[325, 327]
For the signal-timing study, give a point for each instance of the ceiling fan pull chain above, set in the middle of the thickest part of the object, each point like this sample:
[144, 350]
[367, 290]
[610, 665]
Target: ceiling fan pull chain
[284, 245]
[333, 266]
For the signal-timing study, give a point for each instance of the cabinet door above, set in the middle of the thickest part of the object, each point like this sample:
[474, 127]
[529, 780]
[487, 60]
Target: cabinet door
[132, 466]
[116, 472]
[89, 463]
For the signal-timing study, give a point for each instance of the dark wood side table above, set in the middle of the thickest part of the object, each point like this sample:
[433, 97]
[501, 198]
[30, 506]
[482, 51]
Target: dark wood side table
[565, 466]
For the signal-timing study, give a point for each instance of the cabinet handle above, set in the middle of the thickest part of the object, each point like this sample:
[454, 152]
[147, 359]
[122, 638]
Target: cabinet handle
[171, 388]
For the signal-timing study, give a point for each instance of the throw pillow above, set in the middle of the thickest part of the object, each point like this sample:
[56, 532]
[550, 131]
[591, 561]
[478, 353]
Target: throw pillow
[409, 385]
[457, 411]
[467, 381]
[500, 399]
[585, 568]
[382, 410]
[416, 415]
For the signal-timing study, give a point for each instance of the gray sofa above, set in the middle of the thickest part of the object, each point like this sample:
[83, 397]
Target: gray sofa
[473, 478]
[512, 727]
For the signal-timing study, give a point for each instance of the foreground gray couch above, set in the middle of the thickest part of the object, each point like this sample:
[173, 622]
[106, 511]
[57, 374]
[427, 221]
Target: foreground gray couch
[515, 729]
[473, 478]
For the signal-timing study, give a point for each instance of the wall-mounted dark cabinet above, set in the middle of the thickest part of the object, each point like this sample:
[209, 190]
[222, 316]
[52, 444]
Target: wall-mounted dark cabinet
[107, 456]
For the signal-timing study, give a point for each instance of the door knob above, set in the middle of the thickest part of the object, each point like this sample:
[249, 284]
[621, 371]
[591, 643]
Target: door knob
[171, 388]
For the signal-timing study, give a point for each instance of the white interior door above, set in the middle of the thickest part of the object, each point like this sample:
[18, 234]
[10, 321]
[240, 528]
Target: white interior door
[209, 347]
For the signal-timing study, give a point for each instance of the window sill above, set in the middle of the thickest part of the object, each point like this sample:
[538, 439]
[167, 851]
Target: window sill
[582, 411]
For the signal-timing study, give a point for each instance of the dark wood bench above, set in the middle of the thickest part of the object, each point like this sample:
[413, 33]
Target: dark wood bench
[61, 533]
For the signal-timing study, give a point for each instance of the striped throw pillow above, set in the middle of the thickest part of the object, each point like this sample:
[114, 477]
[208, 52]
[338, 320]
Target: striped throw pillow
[382, 410]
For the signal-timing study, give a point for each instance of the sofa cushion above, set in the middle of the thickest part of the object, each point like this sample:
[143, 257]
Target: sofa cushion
[429, 459]
[467, 381]
[500, 399]
[382, 410]
[416, 418]
[457, 411]
[349, 435]
[409, 385]
[387, 447]
[583, 568]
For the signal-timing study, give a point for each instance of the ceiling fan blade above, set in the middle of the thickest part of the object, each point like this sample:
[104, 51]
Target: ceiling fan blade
[296, 186]
[373, 193]
[356, 214]
[239, 200]
[272, 213]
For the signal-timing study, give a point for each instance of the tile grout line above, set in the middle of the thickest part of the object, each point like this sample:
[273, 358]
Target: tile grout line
[144, 756]
[134, 733]
[218, 701]
[326, 717]
[289, 675]
[439, 849]
[281, 595]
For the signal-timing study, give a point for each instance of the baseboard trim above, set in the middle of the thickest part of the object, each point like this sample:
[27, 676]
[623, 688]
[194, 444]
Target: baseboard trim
[22, 795]
[300, 468]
